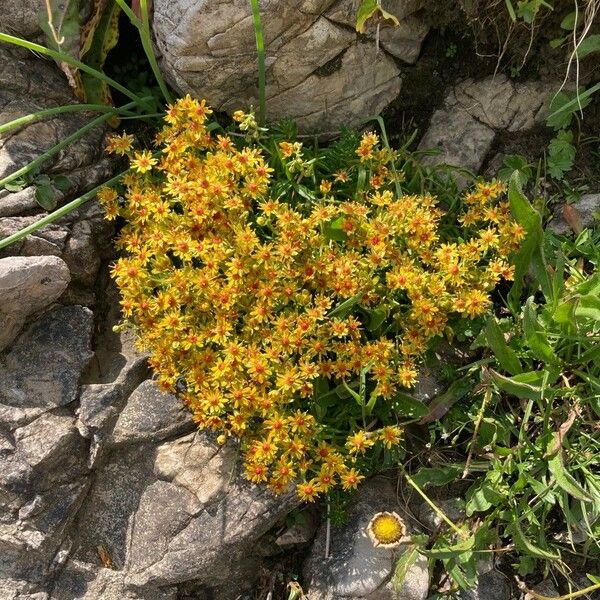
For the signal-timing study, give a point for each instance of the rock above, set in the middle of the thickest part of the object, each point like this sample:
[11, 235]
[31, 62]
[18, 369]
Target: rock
[461, 139]
[301, 531]
[28, 285]
[42, 369]
[355, 568]
[84, 581]
[204, 512]
[18, 203]
[453, 508]
[319, 71]
[587, 210]
[500, 103]
[28, 85]
[49, 441]
[50, 240]
[151, 415]
[546, 588]
[491, 586]
[414, 586]
[16, 589]
[108, 512]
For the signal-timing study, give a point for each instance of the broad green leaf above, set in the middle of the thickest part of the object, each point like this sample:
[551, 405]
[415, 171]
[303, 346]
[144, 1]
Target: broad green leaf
[511, 10]
[99, 36]
[333, 230]
[61, 183]
[370, 10]
[535, 339]
[515, 387]
[407, 406]
[376, 318]
[568, 22]
[450, 551]
[441, 404]
[506, 356]
[588, 307]
[437, 476]
[590, 44]
[405, 561]
[482, 498]
[526, 545]
[530, 252]
[565, 480]
[574, 104]
[343, 310]
[45, 197]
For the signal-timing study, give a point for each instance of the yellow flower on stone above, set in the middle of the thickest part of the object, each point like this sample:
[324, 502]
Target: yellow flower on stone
[387, 530]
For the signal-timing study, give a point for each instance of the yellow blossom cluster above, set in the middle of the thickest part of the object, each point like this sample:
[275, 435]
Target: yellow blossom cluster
[250, 303]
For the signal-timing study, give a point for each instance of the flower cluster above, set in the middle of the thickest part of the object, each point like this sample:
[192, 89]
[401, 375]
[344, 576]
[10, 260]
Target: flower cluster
[260, 307]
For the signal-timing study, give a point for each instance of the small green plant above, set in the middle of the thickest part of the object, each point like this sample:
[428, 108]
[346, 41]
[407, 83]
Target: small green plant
[527, 439]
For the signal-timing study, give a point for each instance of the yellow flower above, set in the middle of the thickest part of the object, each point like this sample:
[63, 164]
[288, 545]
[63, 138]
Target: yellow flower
[143, 161]
[387, 530]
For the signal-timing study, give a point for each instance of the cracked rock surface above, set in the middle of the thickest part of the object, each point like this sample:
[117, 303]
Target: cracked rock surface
[319, 71]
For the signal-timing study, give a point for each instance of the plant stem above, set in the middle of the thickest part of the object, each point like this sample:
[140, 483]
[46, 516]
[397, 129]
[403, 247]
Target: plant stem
[438, 511]
[149, 50]
[50, 112]
[63, 57]
[260, 50]
[58, 213]
[62, 144]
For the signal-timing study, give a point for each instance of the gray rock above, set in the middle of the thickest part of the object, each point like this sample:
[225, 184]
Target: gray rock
[151, 415]
[49, 240]
[453, 508]
[587, 210]
[461, 140]
[414, 586]
[17, 589]
[546, 588]
[28, 285]
[28, 85]
[42, 369]
[85, 581]
[18, 203]
[501, 103]
[49, 441]
[355, 568]
[108, 512]
[491, 586]
[318, 72]
[198, 534]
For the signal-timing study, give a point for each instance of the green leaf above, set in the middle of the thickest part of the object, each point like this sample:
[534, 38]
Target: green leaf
[333, 230]
[99, 36]
[482, 498]
[524, 544]
[437, 476]
[376, 318]
[530, 252]
[515, 387]
[370, 10]
[506, 356]
[407, 406]
[450, 551]
[535, 339]
[568, 22]
[343, 310]
[565, 480]
[405, 561]
[588, 307]
[591, 43]
[61, 183]
[45, 196]
[582, 100]
[511, 10]
[561, 154]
